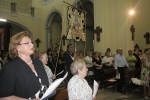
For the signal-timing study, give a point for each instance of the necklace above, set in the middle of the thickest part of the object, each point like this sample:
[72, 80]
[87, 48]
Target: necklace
[30, 62]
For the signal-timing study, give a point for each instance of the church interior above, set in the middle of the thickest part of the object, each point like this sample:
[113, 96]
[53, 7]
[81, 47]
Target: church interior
[89, 25]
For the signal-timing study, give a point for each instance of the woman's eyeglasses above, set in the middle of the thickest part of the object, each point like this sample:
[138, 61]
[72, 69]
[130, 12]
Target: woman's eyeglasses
[27, 43]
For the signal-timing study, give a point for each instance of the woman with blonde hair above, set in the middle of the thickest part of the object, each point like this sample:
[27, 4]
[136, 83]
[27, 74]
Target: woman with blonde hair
[23, 77]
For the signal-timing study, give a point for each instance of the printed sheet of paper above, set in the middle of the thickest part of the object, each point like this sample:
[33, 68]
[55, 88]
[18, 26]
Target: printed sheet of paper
[53, 86]
[118, 76]
[95, 88]
[112, 80]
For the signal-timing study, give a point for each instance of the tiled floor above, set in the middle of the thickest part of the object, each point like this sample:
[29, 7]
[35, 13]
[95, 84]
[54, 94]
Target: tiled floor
[109, 95]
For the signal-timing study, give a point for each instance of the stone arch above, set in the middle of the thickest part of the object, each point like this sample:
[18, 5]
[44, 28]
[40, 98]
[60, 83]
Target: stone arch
[53, 25]
[10, 29]
[22, 28]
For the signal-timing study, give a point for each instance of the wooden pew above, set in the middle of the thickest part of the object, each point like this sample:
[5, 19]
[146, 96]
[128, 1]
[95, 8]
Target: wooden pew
[61, 94]
[109, 78]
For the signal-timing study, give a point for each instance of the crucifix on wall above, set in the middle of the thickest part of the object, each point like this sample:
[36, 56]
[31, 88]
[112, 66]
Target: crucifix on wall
[97, 31]
[37, 42]
[132, 29]
[63, 39]
[147, 36]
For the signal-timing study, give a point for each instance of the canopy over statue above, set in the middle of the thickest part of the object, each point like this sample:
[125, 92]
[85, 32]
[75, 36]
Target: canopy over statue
[76, 22]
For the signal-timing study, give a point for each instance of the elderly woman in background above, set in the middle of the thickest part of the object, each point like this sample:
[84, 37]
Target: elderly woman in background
[78, 88]
[44, 58]
[23, 77]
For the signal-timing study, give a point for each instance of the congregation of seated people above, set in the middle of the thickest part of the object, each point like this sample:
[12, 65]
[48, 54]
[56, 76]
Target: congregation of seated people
[98, 61]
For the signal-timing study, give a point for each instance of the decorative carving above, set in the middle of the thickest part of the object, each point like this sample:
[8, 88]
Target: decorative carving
[63, 39]
[132, 29]
[37, 42]
[13, 7]
[98, 30]
[32, 11]
[147, 36]
[76, 22]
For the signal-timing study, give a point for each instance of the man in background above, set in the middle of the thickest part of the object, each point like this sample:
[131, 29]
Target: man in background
[69, 58]
[131, 59]
[120, 64]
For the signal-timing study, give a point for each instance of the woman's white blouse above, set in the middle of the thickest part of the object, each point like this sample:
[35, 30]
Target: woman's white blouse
[49, 74]
[78, 89]
[88, 60]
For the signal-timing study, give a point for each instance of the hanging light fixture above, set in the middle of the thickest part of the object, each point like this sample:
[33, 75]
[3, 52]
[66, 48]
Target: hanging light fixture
[3, 20]
[131, 12]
